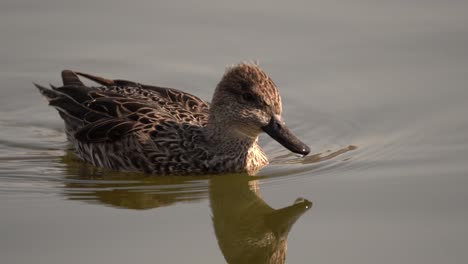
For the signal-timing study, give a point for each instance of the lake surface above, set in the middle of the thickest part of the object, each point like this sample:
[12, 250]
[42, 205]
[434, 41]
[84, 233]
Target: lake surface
[378, 91]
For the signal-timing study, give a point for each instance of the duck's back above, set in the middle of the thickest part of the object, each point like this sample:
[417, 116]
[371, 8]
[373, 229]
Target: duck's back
[129, 126]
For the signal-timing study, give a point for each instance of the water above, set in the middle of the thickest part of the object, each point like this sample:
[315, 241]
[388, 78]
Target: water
[378, 90]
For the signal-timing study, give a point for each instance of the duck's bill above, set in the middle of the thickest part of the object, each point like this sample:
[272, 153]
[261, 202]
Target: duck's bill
[278, 130]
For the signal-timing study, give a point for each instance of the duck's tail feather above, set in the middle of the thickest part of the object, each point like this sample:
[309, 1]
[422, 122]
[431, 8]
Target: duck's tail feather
[49, 94]
[69, 106]
[69, 79]
[58, 101]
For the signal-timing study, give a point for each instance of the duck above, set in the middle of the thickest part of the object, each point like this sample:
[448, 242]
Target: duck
[128, 126]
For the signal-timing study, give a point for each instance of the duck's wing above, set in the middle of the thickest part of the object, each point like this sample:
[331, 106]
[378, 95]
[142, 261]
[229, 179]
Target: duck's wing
[106, 114]
[161, 95]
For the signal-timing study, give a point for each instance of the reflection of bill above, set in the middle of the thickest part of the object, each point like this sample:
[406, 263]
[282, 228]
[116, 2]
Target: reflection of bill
[247, 229]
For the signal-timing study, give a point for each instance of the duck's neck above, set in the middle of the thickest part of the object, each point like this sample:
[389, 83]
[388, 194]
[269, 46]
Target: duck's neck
[235, 145]
[227, 137]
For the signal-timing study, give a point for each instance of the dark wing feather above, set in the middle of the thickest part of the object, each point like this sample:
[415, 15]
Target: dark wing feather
[119, 108]
[70, 78]
[97, 79]
[105, 130]
[158, 94]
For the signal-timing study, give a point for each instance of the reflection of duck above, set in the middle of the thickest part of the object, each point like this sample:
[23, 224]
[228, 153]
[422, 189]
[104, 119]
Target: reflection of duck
[128, 190]
[247, 229]
[133, 127]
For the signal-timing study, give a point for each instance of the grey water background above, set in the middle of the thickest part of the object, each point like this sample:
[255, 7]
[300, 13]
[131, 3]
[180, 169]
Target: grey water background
[378, 89]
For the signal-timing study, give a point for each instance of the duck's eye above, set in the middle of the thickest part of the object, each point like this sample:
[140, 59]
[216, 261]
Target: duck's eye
[248, 97]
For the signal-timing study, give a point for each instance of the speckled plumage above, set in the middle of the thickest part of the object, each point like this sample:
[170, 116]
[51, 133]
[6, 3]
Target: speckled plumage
[134, 127]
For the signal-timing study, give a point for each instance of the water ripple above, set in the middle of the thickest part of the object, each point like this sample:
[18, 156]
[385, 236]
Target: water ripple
[37, 163]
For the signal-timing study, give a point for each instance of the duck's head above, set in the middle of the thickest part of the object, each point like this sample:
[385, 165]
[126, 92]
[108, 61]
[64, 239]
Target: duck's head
[247, 102]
